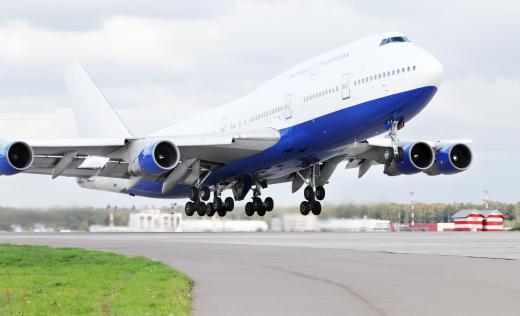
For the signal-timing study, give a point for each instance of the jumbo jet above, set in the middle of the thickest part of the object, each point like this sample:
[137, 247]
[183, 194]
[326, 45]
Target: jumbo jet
[346, 105]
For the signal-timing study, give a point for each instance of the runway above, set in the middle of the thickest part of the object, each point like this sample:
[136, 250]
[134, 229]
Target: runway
[328, 273]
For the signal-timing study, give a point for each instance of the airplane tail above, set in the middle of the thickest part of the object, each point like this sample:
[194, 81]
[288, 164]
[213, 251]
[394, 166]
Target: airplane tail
[95, 117]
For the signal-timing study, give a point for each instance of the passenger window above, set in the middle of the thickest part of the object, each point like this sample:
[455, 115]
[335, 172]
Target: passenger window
[413, 67]
[408, 69]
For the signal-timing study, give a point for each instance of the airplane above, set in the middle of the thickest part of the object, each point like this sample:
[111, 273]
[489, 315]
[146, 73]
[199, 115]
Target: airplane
[296, 128]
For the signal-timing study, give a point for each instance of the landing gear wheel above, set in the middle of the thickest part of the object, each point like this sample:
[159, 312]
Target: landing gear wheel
[202, 209]
[193, 194]
[320, 193]
[222, 211]
[316, 208]
[217, 203]
[257, 203]
[308, 193]
[189, 209]
[211, 210]
[261, 211]
[269, 204]
[305, 208]
[229, 203]
[205, 193]
[250, 211]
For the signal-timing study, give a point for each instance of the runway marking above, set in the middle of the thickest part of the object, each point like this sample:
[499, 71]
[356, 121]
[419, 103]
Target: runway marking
[349, 290]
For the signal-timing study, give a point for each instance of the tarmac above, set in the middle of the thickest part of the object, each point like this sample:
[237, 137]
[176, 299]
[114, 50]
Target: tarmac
[408, 273]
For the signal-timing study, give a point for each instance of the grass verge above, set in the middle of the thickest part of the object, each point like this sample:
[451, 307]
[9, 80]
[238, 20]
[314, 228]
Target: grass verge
[38, 280]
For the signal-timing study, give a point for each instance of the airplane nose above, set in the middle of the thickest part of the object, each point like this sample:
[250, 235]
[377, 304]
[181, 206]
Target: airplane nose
[433, 71]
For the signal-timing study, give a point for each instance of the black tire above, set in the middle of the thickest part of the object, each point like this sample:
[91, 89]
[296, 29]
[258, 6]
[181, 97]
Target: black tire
[222, 211]
[211, 210]
[205, 193]
[269, 204]
[193, 194]
[320, 193]
[305, 208]
[262, 211]
[189, 209]
[229, 203]
[316, 208]
[308, 193]
[257, 203]
[202, 209]
[217, 203]
[250, 210]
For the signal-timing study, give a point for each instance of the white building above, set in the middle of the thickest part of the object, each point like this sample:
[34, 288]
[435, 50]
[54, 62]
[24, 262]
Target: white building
[355, 225]
[146, 221]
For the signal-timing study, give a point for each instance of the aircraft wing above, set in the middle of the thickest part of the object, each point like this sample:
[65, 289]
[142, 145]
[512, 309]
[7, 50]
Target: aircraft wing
[108, 157]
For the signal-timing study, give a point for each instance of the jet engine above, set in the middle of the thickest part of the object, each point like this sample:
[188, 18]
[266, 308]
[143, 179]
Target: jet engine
[15, 157]
[450, 159]
[412, 158]
[155, 158]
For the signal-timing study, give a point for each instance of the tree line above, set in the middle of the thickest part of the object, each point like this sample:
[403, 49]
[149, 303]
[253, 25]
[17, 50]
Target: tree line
[76, 218]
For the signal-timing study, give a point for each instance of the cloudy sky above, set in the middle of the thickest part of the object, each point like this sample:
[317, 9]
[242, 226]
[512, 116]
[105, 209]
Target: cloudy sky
[162, 63]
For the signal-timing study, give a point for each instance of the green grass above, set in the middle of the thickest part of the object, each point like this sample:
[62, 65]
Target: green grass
[36, 280]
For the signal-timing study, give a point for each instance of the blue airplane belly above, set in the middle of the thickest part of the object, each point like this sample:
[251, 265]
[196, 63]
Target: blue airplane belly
[311, 141]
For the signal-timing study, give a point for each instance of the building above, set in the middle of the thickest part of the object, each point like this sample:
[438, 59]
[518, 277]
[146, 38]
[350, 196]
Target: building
[493, 220]
[468, 220]
[145, 221]
[355, 225]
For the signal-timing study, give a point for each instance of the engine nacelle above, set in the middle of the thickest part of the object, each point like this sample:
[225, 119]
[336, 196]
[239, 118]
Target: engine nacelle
[413, 158]
[15, 158]
[451, 159]
[155, 158]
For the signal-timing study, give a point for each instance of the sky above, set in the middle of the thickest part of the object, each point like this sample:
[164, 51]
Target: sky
[163, 63]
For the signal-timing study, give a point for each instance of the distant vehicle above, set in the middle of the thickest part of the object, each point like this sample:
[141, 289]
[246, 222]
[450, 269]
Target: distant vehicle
[295, 128]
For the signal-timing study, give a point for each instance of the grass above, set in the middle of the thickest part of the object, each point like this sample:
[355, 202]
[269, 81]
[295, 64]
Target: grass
[37, 280]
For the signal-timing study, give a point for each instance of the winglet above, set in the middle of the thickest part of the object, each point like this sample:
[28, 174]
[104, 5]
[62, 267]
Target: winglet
[94, 115]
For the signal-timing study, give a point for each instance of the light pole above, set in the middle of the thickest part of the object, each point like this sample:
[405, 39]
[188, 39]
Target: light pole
[486, 199]
[412, 202]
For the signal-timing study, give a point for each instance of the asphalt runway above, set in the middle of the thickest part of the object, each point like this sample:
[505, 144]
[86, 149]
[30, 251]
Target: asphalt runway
[329, 273]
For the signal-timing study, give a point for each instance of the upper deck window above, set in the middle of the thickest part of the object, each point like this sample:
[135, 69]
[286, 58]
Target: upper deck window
[393, 40]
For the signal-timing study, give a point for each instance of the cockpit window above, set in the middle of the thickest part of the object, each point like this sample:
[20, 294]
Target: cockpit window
[393, 40]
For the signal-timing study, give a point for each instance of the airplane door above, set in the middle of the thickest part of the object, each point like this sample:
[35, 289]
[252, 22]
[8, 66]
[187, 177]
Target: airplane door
[345, 86]
[224, 124]
[287, 107]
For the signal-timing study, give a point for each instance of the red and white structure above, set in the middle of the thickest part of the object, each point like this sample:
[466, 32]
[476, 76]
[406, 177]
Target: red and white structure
[478, 220]
[493, 220]
[468, 220]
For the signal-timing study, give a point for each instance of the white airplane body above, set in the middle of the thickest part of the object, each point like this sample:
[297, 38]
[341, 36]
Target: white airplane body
[297, 127]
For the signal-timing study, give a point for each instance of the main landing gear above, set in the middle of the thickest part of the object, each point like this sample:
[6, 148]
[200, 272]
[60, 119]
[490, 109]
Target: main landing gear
[313, 198]
[313, 195]
[257, 205]
[198, 196]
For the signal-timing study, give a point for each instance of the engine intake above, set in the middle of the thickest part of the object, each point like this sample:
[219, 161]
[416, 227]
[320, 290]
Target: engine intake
[156, 158]
[451, 159]
[15, 158]
[413, 158]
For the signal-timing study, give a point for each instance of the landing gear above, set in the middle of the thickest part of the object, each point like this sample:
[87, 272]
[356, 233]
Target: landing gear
[202, 208]
[316, 208]
[312, 194]
[211, 210]
[189, 208]
[197, 204]
[320, 193]
[305, 208]
[257, 205]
